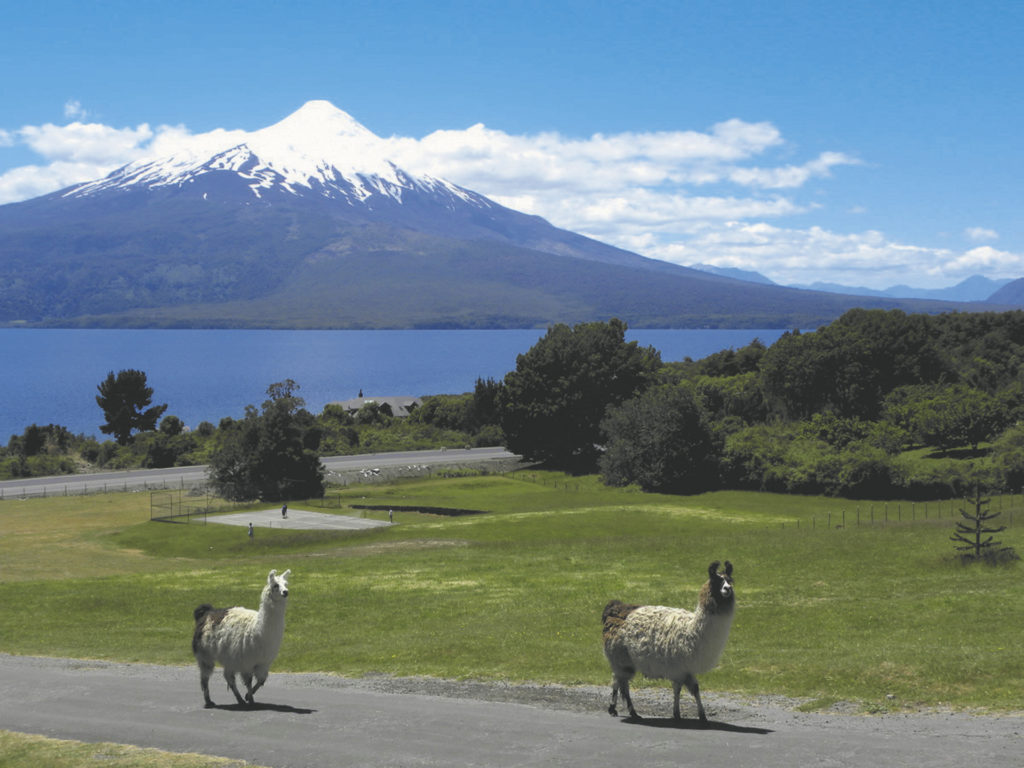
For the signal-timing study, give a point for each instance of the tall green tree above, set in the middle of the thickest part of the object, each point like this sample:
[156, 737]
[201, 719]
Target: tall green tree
[661, 441]
[270, 455]
[552, 404]
[125, 400]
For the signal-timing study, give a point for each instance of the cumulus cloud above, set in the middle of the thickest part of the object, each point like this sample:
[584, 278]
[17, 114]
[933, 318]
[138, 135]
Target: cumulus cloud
[803, 256]
[480, 157]
[979, 234]
[79, 152]
[790, 176]
[29, 181]
[85, 142]
[73, 110]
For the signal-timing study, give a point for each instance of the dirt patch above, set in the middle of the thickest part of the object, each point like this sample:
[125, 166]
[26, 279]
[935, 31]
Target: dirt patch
[446, 511]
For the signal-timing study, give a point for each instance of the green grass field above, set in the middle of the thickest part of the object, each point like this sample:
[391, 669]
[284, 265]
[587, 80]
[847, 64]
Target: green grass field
[19, 750]
[878, 614]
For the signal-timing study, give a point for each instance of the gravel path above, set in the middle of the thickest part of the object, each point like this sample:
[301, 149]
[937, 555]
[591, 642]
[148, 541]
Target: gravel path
[316, 720]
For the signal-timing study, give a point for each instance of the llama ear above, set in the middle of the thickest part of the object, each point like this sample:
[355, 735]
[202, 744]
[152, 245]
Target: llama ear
[728, 568]
[286, 574]
[713, 570]
[271, 575]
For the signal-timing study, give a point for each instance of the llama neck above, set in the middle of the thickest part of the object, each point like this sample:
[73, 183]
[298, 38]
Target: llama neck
[709, 605]
[271, 614]
[712, 623]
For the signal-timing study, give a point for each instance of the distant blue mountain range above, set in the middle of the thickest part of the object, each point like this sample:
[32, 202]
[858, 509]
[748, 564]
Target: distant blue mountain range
[974, 288]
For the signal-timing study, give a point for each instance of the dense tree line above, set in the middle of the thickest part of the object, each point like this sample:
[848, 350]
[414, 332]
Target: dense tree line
[874, 404]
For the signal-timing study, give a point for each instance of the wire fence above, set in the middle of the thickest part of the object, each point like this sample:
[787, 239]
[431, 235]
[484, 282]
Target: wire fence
[186, 506]
[82, 485]
[178, 500]
[1010, 507]
[848, 513]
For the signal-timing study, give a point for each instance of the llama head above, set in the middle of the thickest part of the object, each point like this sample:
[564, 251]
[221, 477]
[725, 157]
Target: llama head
[719, 584]
[277, 586]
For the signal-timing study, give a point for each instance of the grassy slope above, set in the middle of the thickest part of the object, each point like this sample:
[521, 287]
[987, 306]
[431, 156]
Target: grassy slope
[19, 750]
[859, 613]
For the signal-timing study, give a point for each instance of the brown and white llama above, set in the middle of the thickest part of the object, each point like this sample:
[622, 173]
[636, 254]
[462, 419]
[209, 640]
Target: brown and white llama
[669, 643]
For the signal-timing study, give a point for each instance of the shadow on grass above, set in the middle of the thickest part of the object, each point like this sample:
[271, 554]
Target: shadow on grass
[258, 706]
[689, 724]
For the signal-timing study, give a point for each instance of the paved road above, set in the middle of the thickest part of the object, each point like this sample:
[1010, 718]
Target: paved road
[320, 721]
[186, 477]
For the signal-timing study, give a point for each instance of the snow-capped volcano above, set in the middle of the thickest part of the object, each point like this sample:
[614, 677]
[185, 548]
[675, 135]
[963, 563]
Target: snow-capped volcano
[317, 149]
[308, 223]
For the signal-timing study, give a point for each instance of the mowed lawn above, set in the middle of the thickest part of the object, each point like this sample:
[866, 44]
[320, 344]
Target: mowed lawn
[880, 614]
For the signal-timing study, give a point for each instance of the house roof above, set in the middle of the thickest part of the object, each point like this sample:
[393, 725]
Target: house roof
[401, 405]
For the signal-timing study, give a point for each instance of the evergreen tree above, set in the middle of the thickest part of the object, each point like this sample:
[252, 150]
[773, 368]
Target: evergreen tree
[974, 526]
[124, 399]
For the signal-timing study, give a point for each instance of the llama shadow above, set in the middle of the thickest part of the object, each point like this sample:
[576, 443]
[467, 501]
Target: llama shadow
[689, 724]
[260, 706]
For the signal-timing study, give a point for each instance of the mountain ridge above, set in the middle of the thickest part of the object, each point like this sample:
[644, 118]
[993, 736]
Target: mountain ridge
[973, 288]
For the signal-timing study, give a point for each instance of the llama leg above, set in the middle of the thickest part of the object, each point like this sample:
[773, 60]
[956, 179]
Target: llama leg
[247, 679]
[694, 688]
[205, 670]
[624, 687]
[676, 688]
[261, 678]
[229, 675]
[612, 708]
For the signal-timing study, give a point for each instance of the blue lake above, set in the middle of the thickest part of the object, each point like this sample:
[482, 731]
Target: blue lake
[49, 376]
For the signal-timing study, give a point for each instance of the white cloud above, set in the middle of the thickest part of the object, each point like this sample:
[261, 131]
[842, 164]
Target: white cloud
[790, 176]
[987, 260]
[85, 142]
[79, 152]
[979, 234]
[498, 163]
[73, 110]
[29, 181]
[803, 256]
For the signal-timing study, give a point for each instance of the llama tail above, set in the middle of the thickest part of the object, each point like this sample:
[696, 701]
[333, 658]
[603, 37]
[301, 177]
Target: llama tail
[617, 610]
[199, 613]
[614, 614]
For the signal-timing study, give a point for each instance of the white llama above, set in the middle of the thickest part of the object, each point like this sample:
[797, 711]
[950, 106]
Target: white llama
[241, 640]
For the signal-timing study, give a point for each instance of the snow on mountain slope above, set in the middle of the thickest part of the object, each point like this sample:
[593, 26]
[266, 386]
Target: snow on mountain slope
[318, 149]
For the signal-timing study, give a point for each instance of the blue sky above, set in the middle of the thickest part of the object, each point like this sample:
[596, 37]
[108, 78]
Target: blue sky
[867, 143]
